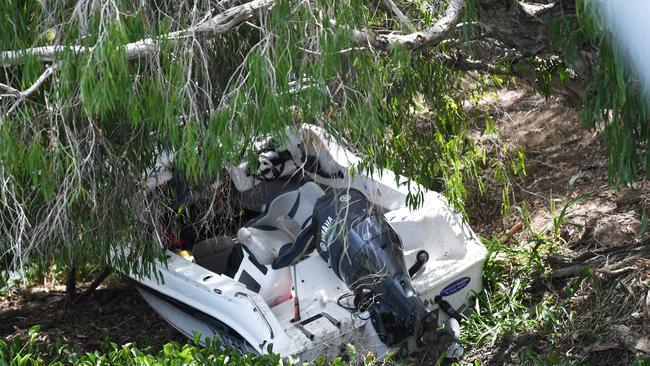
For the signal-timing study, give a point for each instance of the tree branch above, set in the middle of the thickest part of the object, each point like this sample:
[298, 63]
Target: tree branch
[10, 89]
[458, 61]
[233, 17]
[29, 91]
[93, 285]
[219, 24]
[230, 18]
[45, 53]
[406, 23]
[615, 254]
[429, 37]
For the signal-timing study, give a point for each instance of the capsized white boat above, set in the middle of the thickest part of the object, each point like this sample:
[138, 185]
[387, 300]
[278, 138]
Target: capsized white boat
[334, 257]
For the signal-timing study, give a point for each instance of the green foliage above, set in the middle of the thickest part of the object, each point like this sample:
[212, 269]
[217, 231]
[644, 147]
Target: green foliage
[34, 352]
[547, 70]
[499, 163]
[559, 219]
[6, 282]
[641, 361]
[506, 305]
[510, 304]
[74, 154]
[613, 100]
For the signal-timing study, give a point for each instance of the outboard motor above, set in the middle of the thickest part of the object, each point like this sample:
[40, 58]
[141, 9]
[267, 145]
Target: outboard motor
[365, 252]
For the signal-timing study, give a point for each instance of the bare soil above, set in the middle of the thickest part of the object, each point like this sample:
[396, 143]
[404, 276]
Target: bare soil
[610, 314]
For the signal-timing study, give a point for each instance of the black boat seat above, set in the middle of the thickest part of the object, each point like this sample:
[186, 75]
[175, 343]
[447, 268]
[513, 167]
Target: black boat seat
[281, 222]
[214, 253]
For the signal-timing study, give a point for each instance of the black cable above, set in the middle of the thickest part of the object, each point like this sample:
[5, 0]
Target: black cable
[345, 296]
[360, 306]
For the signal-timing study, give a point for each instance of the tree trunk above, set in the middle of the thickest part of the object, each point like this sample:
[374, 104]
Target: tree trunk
[523, 26]
[71, 285]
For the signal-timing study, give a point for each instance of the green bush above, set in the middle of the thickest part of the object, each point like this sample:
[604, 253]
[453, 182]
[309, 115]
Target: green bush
[33, 351]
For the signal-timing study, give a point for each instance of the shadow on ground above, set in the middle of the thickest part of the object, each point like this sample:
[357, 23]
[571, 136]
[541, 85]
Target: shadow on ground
[117, 313]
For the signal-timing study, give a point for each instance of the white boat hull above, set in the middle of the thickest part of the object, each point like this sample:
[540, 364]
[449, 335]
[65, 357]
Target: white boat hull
[250, 318]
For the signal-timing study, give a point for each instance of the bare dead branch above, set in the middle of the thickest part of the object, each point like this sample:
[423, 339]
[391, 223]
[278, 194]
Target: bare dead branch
[427, 38]
[219, 24]
[594, 259]
[406, 23]
[10, 89]
[29, 91]
[233, 17]
[230, 18]
[45, 54]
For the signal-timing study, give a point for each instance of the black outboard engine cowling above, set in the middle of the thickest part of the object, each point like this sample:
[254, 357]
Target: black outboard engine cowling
[366, 253]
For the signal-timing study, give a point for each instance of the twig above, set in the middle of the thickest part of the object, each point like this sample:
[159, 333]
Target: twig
[9, 89]
[510, 234]
[614, 272]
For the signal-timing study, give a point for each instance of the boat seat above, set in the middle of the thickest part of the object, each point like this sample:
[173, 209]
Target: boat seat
[291, 253]
[214, 253]
[283, 220]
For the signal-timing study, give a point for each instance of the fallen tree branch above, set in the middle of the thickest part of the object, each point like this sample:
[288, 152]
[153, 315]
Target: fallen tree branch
[93, 285]
[638, 248]
[575, 269]
[616, 272]
[406, 23]
[597, 258]
[10, 89]
[429, 37]
[219, 24]
[29, 91]
[233, 17]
